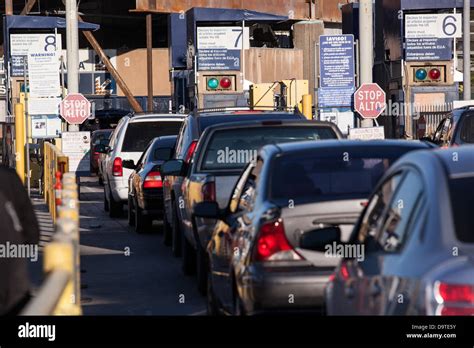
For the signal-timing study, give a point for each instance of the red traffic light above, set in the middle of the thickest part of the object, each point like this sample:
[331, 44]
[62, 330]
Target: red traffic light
[435, 74]
[226, 83]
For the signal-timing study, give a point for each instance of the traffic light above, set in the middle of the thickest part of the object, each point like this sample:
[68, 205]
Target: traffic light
[429, 74]
[220, 83]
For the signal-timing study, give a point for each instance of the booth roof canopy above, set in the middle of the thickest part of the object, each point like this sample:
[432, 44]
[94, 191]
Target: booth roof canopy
[43, 22]
[201, 14]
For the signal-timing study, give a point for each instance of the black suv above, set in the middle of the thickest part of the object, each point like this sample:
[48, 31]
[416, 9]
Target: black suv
[456, 129]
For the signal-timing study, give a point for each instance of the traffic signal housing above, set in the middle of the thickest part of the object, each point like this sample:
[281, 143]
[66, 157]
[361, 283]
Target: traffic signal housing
[221, 83]
[430, 74]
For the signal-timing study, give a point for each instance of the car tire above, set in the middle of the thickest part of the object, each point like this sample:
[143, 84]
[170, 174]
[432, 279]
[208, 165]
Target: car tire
[167, 240]
[175, 232]
[211, 305]
[202, 267]
[130, 212]
[115, 208]
[142, 222]
[106, 203]
[188, 265]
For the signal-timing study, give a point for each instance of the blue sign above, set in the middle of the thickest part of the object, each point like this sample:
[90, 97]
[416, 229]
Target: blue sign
[428, 49]
[336, 61]
[218, 59]
[335, 97]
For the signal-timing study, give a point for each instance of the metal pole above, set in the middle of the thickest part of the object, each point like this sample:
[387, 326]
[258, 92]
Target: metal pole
[366, 44]
[27, 137]
[149, 50]
[72, 42]
[467, 49]
[8, 7]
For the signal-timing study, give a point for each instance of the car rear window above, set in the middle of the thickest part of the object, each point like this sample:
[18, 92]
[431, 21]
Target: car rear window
[232, 149]
[342, 175]
[139, 134]
[462, 201]
[467, 130]
[208, 121]
[162, 154]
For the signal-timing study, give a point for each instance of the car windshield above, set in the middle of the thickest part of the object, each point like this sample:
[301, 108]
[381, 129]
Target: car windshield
[467, 130]
[462, 201]
[232, 149]
[314, 177]
[139, 134]
[99, 138]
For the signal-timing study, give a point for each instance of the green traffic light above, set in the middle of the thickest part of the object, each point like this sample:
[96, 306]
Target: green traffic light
[212, 83]
[421, 74]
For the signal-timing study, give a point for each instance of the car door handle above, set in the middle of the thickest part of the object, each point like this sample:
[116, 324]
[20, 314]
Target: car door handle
[375, 289]
[349, 291]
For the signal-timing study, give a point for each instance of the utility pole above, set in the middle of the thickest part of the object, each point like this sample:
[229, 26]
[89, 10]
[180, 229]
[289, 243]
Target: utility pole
[72, 42]
[149, 50]
[9, 7]
[366, 46]
[467, 49]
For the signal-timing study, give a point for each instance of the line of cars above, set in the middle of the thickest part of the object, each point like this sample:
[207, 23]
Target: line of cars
[274, 213]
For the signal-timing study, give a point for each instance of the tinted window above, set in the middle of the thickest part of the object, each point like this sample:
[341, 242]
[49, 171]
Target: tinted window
[161, 154]
[399, 216]
[232, 149]
[100, 137]
[462, 203]
[207, 121]
[139, 134]
[314, 177]
[467, 129]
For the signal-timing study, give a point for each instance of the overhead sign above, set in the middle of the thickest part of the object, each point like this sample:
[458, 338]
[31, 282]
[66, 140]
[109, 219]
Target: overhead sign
[77, 146]
[75, 108]
[335, 97]
[373, 133]
[433, 26]
[219, 48]
[22, 44]
[369, 100]
[336, 60]
[428, 49]
[43, 74]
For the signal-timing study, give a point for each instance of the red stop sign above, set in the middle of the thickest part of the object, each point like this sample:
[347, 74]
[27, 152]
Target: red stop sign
[369, 100]
[75, 108]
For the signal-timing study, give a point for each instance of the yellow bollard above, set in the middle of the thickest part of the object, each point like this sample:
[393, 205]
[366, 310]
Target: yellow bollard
[20, 139]
[308, 106]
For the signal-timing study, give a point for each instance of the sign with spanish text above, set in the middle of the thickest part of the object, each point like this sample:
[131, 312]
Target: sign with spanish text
[433, 26]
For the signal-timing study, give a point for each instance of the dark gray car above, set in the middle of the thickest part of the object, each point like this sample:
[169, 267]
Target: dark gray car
[417, 236]
[260, 256]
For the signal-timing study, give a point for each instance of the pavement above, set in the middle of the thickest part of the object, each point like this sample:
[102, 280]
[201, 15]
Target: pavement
[124, 273]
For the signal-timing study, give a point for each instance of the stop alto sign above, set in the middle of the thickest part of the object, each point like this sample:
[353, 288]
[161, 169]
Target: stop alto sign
[369, 100]
[75, 108]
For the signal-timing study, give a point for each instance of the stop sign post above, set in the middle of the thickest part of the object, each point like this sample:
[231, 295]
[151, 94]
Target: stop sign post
[369, 101]
[75, 109]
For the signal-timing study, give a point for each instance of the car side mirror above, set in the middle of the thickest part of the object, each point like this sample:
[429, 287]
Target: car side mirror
[174, 168]
[129, 164]
[209, 210]
[319, 239]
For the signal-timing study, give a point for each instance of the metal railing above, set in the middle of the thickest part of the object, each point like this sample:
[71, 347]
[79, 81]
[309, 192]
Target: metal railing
[429, 117]
[54, 162]
[60, 292]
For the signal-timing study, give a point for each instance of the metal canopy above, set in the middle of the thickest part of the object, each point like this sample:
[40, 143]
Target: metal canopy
[43, 22]
[201, 14]
[432, 4]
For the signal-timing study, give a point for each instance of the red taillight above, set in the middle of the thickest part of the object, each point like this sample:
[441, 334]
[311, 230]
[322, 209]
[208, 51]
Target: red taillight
[153, 180]
[455, 293]
[344, 272]
[457, 311]
[272, 243]
[209, 192]
[190, 152]
[117, 169]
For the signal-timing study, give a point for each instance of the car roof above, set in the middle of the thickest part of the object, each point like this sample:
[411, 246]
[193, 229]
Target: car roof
[458, 161]
[165, 140]
[101, 131]
[157, 117]
[241, 112]
[347, 144]
[269, 123]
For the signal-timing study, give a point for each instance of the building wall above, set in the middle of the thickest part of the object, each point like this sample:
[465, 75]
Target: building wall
[273, 64]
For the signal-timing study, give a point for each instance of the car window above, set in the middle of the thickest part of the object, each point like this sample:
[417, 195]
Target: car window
[139, 134]
[143, 156]
[181, 138]
[232, 149]
[439, 131]
[399, 215]
[370, 222]
[237, 192]
[462, 202]
[161, 154]
[467, 129]
[247, 199]
[446, 130]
